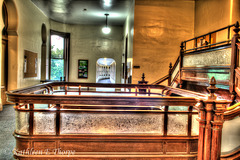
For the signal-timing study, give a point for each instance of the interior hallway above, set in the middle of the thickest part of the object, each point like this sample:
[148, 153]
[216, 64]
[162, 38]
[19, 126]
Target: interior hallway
[104, 81]
[7, 141]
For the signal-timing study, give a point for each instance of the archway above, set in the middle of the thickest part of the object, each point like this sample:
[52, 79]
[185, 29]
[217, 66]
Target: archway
[105, 70]
[12, 47]
[4, 55]
[8, 45]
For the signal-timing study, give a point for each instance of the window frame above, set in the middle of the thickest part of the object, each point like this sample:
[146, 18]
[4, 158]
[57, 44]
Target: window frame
[66, 53]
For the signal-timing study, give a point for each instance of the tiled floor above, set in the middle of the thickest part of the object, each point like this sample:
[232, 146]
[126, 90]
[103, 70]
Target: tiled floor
[7, 126]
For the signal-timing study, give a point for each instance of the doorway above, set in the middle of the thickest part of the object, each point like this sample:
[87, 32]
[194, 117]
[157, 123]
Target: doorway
[106, 70]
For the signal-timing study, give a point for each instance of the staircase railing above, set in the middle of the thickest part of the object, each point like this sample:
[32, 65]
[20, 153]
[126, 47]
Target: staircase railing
[172, 74]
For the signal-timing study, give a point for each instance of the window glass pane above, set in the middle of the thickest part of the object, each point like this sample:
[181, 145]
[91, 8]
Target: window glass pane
[57, 45]
[57, 69]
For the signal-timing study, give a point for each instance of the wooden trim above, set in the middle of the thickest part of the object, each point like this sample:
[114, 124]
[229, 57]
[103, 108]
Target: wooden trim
[165, 121]
[205, 80]
[66, 56]
[58, 120]
[233, 154]
[190, 109]
[229, 115]
[207, 67]
[31, 119]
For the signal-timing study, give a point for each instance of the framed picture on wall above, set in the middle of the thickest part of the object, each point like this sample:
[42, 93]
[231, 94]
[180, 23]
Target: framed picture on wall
[82, 68]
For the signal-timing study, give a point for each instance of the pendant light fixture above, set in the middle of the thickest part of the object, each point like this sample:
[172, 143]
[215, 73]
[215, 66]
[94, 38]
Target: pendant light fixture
[106, 29]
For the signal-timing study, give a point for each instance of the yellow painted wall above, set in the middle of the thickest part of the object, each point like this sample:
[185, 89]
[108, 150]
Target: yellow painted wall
[29, 38]
[88, 42]
[211, 15]
[129, 33]
[159, 28]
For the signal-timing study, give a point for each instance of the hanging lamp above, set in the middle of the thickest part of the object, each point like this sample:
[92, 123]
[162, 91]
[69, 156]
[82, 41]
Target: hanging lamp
[106, 29]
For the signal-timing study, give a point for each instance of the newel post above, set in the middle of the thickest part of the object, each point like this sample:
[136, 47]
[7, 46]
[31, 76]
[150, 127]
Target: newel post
[211, 121]
[170, 74]
[181, 63]
[234, 60]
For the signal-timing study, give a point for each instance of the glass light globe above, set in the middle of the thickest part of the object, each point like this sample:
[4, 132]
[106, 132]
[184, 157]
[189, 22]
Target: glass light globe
[106, 30]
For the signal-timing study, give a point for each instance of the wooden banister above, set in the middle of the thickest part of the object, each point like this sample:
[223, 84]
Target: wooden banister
[169, 76]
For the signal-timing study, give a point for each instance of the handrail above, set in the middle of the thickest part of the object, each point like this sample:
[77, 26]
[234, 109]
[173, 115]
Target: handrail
[233, 106]
[164, 78]
[175, 78]
[229, 26]
[160, 80]
[209, 43]
[232, 112]
[175, 64]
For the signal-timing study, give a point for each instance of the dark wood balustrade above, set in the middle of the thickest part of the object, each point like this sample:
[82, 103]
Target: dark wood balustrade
[48, 116]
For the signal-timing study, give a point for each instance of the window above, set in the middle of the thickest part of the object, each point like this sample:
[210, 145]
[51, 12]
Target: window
[59, 55]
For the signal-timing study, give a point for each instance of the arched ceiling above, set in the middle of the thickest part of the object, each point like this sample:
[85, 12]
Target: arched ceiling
[85, 11]
[105, 61]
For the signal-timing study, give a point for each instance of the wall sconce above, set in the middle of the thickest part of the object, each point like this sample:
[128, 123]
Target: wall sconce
[106, 29]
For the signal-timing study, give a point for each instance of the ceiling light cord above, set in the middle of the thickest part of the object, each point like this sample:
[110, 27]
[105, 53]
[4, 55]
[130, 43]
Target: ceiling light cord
[106, 18]
[106, 29]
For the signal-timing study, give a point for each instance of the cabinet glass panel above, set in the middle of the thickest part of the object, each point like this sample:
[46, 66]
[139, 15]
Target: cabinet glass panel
[44, 123]
[195, 125]
[105, 123]
[177, 124]
[22, 122]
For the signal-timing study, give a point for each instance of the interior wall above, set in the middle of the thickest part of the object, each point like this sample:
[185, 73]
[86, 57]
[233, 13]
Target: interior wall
[29, 38]
[230, 135]
[211, 15]
[159, 28]
[88, 42]
[128, 31]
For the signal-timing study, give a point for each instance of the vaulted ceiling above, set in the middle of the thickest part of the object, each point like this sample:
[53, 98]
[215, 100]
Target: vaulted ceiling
[85, 11]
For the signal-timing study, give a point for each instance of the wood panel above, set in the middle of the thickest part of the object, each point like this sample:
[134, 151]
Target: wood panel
[107, 147]
[204, 74]
[113, 146]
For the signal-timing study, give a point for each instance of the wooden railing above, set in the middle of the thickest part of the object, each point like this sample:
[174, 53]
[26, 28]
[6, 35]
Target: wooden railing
[209, 40]
[72, 116]
[171, 77]
[227, 73]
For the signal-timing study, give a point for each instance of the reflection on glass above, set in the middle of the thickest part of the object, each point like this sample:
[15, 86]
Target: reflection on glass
[75, 123]
[57, 69]
[44, 123]
[177, 124]
[22, 122]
